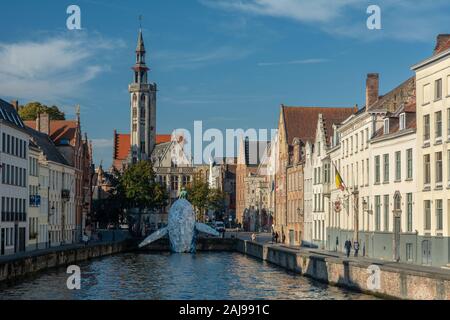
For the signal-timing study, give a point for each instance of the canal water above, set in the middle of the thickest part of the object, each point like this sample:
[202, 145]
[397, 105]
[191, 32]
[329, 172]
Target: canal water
[204, 276]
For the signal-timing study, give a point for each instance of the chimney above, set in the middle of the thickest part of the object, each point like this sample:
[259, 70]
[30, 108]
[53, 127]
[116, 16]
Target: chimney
[442, 43]
[372, 89]
[43, 123]
[15, 104]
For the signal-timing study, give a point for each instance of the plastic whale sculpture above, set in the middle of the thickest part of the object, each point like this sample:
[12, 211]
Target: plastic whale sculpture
[182, 228]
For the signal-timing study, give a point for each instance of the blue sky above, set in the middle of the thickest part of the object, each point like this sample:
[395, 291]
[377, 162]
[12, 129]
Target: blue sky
[229, 63]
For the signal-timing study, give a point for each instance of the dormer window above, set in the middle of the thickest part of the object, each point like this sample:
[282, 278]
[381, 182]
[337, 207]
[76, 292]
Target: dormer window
[402, 121]
[386, 126]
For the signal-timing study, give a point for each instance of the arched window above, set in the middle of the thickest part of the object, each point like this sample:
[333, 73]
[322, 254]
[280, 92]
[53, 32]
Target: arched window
[134, 99]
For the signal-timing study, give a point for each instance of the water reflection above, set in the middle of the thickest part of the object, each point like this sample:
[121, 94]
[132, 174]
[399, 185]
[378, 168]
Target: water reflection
[204, 276]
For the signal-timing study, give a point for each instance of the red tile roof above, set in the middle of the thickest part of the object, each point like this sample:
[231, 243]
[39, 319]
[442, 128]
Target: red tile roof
[122, 144]
[59, 130]
[301, 122]
[163, 138]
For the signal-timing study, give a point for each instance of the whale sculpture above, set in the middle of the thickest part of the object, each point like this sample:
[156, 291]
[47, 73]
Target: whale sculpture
[182, 228]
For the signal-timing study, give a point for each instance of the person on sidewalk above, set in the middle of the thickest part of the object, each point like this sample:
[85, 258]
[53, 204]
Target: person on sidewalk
[348, 247]
[356, 247]
[337, 244]
[253, 237]
[276, 237]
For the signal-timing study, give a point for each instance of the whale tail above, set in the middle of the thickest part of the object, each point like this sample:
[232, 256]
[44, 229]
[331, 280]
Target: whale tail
[201, 227]
[154, 236]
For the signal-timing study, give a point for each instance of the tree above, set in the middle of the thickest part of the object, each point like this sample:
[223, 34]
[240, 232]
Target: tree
[198, 192]
[32, 109]
[216, 202]
[140, 188]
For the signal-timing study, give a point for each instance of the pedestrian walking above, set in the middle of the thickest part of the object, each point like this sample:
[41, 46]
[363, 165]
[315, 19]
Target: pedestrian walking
[253, 237]
[356, 247]
[337, 243]
[283, 238]
[348, 247]
[276, 237]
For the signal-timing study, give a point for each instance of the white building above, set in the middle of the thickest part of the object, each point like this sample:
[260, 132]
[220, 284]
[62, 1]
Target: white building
[433, 152]
[356, 210]
[14, 181]
[34, 201]
[57, 193]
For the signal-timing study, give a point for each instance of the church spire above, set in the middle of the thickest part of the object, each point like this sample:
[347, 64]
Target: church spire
[140, 44]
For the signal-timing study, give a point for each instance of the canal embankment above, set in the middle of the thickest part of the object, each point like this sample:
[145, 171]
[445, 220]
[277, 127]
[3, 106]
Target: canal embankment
[14, 268]
[202, 244]
[382, 279]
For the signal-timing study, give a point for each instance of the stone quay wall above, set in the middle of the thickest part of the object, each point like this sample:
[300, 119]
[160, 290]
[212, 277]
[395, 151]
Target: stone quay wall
[17, 268]
[393, 282]
[203, 244]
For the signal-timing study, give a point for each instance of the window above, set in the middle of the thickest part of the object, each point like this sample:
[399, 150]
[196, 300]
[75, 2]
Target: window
[386, 126]
[426, 93]
[377, 169]
[438, 89]
[377, 212]
[386, 168]
[427, 213]
[409, 163]
[409, 212]
[438, 156]
[426, 128]
[439, 215]
[409, 252]
[448, 122]
[356, 143]
[386, 213]
[402, 121]
[367, 138]
[398, 166]
[448, 168]
[438, 124]
[427, 169]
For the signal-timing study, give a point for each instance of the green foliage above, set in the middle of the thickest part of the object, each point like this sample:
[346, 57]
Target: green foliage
[216, 201]
[32, 109]
[202, 197]
[140, 188]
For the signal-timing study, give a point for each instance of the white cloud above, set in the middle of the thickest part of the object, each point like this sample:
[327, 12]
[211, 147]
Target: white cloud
[292, 62]
[302, 10]
[193, 60]
[53, 69]
[401, 19]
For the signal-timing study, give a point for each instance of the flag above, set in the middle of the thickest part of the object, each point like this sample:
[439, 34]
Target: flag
[339, 182]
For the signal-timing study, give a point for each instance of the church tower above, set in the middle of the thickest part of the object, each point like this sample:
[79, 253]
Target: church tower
[142, 107]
